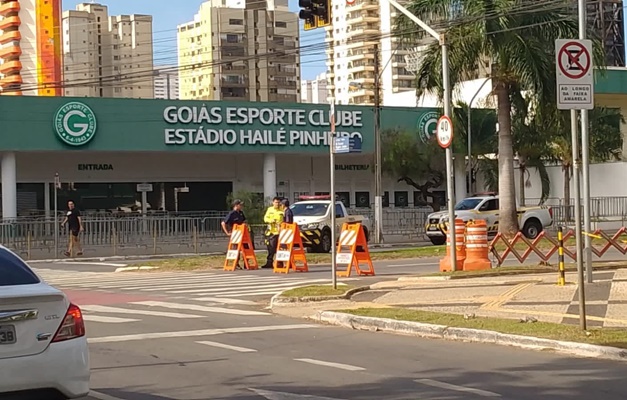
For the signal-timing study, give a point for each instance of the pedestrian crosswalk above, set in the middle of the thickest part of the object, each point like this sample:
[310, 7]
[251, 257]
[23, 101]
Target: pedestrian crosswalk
[211, 287]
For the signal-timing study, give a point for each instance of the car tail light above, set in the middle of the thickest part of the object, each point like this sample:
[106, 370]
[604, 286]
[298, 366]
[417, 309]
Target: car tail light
[73, 325]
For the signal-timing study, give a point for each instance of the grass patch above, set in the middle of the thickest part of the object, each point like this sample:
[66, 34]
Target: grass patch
[316, 291]
[217, 262]
[529, 269]
[601, 336]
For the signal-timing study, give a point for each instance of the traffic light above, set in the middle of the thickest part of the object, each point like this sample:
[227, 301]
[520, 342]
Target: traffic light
[308, 14]
[315, 13]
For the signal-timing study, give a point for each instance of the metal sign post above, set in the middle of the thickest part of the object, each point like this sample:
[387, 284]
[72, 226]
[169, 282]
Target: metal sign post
[332, 191]
[575, 91]
[144, 188]
[55, 218]
[445, 139]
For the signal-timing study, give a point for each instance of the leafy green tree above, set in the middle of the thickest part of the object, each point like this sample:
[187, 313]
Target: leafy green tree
[516, 38]
[418, 164]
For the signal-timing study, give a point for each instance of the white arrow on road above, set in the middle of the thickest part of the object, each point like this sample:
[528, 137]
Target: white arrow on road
[271, 395]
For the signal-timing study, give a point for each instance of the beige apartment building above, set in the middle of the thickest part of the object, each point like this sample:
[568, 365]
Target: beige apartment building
[357, 30]
[244, 50]
[107, 56]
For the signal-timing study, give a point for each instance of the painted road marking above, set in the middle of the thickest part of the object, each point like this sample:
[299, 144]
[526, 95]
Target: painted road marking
[330, 364]
[228, 347]
[224, 300]
[104, 264]
[457, 388]
[411, 265]
[108, 320]
[247, 286]
[117, 310]
[102, 396]
[202, 332]
[195, 307]
[272, 395]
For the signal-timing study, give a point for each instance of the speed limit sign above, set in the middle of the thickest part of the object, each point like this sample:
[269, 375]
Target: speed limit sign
[444, 132]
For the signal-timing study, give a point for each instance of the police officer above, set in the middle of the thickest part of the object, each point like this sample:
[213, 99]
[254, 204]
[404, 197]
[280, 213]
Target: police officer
[288, 215]
[235, 217]
[273, 218]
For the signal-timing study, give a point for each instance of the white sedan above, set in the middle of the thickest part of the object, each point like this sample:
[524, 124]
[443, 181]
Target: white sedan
[43, 347]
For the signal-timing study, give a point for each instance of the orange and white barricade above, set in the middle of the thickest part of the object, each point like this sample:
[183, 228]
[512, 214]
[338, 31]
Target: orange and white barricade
[477, 246]
[352, 251]
[240, 243]
[460, 246]
[290, 252]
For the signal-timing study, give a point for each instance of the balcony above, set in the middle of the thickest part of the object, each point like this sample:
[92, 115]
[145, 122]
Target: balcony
[364, 30]
[363, 5]
[359, 55]
[10, 36]
[11, 7]
[406, 75]
[362, 42]
[11, 80]
[10, 66]
[10, 51]
[362, 16]
[9, 22]
[240, 83]
[360, 67]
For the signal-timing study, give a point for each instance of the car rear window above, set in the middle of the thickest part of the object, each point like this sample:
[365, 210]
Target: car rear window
[14, 271]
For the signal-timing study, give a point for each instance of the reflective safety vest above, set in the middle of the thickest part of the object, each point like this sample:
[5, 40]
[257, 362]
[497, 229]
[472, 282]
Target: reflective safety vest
[273, 218]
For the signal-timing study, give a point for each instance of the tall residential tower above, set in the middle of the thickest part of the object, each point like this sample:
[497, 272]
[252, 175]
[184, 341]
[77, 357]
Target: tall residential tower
[240, 50]
[30, 48]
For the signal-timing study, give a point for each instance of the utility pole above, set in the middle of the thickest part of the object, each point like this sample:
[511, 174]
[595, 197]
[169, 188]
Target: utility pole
[378, 200]
[585, 159]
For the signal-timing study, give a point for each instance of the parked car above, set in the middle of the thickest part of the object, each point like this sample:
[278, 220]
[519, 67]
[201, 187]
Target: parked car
[43, 346]
[532, 220]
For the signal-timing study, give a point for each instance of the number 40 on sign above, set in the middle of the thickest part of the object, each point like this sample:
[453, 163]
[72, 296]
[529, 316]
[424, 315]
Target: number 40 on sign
[444, 132]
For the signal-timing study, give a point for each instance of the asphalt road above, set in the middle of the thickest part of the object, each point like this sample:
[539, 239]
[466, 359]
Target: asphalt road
[209, 335]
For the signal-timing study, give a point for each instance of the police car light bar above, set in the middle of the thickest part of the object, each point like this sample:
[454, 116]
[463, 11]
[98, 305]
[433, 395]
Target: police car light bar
[318, 197]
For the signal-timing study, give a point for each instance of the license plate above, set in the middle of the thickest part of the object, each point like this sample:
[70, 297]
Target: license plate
[7, 334]
[433, 228]
[232, 255]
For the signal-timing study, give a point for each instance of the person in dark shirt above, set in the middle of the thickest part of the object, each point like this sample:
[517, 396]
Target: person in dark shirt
[288, 215]
[234, 217]
[75, 224]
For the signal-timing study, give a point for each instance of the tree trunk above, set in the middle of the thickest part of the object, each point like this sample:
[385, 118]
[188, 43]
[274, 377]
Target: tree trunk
[522, 168]
[508, 219]
[566, 169]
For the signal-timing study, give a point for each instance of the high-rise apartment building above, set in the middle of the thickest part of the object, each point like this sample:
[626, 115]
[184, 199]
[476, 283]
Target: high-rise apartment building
[240, 50]
[30, 48]
[107, 56]
[314, 91]
[167, 83]
[357, 31]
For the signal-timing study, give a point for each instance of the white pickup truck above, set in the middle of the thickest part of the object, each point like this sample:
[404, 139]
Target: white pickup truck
[532, 220]
[312, 214]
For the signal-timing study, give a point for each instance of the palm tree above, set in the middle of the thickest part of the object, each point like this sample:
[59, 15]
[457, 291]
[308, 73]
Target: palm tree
[517, 38]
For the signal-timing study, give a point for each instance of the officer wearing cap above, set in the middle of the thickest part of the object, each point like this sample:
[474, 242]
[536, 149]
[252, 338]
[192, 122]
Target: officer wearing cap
[234, 217]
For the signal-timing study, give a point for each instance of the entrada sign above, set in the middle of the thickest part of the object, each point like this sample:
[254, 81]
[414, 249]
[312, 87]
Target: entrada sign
[253, 126]
[95, 167]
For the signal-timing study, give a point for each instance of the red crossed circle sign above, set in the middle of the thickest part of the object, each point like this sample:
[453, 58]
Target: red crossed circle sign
[574, 60]
[350, 2]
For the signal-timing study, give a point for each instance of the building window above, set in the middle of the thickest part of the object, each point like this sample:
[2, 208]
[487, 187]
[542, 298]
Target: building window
[280, 24]
[234, 21]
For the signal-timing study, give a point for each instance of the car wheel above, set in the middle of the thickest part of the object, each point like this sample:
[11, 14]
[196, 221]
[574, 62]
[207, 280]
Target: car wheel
[532, 229]
[437, 240]
[325, 241]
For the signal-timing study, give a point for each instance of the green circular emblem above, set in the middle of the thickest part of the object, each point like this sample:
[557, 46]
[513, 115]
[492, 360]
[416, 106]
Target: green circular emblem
[427, 125]
[75, 123]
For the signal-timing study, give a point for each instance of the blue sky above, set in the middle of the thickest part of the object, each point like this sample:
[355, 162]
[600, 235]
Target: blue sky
[167, 14]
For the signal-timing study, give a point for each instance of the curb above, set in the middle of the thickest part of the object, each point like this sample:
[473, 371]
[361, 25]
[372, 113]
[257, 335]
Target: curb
[470, 335]
[128, 269]
[278, 299]
[124, 258]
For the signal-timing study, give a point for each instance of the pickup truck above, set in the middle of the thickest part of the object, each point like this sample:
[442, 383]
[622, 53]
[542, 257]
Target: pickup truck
[532, 220]
[312, 214]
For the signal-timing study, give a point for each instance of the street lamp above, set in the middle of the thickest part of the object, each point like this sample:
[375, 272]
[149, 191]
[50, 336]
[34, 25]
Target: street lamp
[446, 83]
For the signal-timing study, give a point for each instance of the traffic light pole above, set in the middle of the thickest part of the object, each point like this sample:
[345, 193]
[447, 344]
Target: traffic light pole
[447, 112]
[378, 201]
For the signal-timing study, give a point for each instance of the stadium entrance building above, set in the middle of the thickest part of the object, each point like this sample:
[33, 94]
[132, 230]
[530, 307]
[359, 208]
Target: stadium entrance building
[189, 155]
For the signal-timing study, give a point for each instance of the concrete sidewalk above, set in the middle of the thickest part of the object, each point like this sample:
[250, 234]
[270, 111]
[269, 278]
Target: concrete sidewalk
[516, 297]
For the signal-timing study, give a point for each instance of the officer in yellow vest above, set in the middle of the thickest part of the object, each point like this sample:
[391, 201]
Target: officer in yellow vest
[273, 217]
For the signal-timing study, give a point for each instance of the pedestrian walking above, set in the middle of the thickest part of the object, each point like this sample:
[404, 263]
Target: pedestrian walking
[273, 219]
[288, 215]
[75, 224]
[234, 217]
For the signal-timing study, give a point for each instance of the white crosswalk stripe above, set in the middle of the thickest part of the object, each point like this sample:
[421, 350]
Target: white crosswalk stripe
[212, 287]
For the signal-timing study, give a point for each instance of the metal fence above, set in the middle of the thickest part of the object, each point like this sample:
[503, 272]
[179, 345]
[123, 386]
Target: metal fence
[136, 235]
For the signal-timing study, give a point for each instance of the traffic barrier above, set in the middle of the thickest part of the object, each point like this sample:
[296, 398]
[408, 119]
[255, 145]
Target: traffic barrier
[476, 246]
[352, 251]
[544, 246]
[290, 252]
[561, 281]
[460, 233]
[240, 244]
